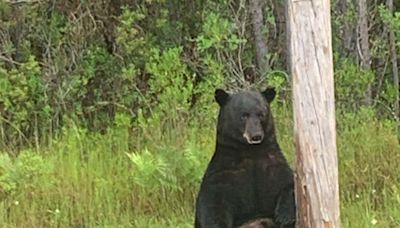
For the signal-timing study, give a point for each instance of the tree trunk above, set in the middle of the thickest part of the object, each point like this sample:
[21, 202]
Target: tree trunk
[348, 29]
[257, 21]
[310, 46]
[363, 41]
[393, 56]
[278, 44]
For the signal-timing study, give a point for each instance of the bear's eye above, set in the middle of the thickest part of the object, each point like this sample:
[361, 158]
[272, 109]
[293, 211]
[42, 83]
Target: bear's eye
[245, 116]
[260, 115]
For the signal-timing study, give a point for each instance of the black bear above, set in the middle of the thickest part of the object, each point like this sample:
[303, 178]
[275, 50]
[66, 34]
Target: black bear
[248, 182]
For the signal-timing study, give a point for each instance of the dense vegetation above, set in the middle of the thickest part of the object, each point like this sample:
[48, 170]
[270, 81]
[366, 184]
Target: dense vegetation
[107, 114]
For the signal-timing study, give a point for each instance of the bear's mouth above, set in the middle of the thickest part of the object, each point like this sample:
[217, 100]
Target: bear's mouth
[253, 140]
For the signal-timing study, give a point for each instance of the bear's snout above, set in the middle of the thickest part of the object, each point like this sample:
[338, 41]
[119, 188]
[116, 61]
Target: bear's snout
[253, 132]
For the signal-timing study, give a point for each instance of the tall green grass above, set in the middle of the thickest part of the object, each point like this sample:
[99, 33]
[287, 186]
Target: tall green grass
[149, 177]
[369, 158]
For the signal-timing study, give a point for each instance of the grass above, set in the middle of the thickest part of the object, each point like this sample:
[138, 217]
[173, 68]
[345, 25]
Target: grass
[131, 178]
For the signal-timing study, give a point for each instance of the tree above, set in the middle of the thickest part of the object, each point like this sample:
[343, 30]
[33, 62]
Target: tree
[363, 41]
[393, 55]
[260, 44]
[347, 28]
[310, 46]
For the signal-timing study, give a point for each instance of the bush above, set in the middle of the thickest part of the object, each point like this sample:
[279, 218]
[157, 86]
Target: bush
[26, 173]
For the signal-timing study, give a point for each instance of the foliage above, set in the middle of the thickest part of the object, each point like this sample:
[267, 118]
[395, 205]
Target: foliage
[107, 112]
[123, 179]
[218, 33]
[351, 84]
[77, 60]
[392, 19]
[23, 174]
[170, 83]
[24, 99]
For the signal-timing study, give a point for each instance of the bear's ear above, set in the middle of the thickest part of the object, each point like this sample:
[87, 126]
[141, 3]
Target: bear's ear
[221, 97]
[269, 94]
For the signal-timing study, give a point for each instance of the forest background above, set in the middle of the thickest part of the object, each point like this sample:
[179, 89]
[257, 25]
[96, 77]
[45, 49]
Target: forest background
[107, 116]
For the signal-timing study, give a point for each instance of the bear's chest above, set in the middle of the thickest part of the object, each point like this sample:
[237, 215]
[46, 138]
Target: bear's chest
[260, 181]
[260, 167]
[257, 175]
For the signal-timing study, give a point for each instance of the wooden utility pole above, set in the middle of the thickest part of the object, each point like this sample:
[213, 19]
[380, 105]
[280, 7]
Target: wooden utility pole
[310, 46]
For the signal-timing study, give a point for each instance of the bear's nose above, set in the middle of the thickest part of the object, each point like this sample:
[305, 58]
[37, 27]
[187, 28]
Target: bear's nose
[256, 139]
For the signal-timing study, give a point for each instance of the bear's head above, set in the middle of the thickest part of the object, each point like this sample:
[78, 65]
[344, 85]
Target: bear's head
[245, 116]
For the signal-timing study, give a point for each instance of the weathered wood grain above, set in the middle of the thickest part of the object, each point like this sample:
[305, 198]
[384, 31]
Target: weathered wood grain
[310, 47]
